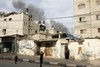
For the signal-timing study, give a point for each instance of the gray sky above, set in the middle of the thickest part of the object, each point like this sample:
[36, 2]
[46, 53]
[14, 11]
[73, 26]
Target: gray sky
[52, 9]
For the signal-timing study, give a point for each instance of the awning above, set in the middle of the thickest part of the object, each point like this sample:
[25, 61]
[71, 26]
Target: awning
[10, 35]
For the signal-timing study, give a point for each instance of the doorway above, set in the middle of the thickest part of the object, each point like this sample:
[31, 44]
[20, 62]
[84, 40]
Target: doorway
[7, 47]
[1, 45]
[67, 52]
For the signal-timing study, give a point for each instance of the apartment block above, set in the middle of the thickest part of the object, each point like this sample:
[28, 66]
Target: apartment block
[87, 18]
[17, 23]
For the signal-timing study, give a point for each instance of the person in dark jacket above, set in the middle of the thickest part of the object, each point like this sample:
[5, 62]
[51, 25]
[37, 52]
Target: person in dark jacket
[41, 58]
[67, 52]
[16, 59]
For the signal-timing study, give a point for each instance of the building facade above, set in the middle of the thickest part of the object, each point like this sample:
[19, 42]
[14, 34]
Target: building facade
[17, 23]
[87, 18]
[54, 48]
[13, 26]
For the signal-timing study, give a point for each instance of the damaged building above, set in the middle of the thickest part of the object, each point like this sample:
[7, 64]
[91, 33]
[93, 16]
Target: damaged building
[14, 26]
[20, 34]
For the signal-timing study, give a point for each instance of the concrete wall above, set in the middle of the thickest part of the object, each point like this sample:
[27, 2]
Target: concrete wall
[52, 30]
[41, 37]
[90, 50]
[34, 27]
[38, 37]
[57, 50]
[27, 47]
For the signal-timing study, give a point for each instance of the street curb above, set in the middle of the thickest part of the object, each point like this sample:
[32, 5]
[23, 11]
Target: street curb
[44, 62]
[7, 58]
[26, 60]
[53, 63]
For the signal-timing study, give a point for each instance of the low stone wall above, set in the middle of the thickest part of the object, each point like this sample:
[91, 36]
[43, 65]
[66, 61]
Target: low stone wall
[90, 50]
[27, 47]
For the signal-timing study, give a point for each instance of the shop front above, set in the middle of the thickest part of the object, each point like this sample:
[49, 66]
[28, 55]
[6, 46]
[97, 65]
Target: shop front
[7, 45]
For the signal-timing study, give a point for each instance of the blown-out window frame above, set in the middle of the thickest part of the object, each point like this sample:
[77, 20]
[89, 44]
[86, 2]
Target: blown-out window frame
[98, 17]
[98, 30]
[98, 2]
[82, 19]
[83, 31]
[81, 6]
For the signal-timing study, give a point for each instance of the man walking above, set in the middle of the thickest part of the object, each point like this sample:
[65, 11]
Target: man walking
[41, 58]
[16, 58]
[66, 52]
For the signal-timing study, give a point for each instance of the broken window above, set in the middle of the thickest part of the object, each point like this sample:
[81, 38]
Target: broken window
[43, 22]
[10, 19]
[4, 31]
[98, 30]
[98, 2]
[82, 19]
[25, 23]
[98, 17]
[81, 5]
[39, 22]
[35, 31]
[5, 19]
[83, 31]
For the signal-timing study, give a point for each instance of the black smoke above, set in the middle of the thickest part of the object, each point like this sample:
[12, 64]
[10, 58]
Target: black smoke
[19, 5]
[36, 12]
[59, 26]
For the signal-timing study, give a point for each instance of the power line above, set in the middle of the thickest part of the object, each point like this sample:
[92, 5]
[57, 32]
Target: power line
[85, 14]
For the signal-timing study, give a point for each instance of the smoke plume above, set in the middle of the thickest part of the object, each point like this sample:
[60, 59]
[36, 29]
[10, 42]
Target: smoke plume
[18, 5]
[59, 26]
[36, 12]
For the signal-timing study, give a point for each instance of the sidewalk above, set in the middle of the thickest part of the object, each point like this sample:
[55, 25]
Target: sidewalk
[53, 61]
